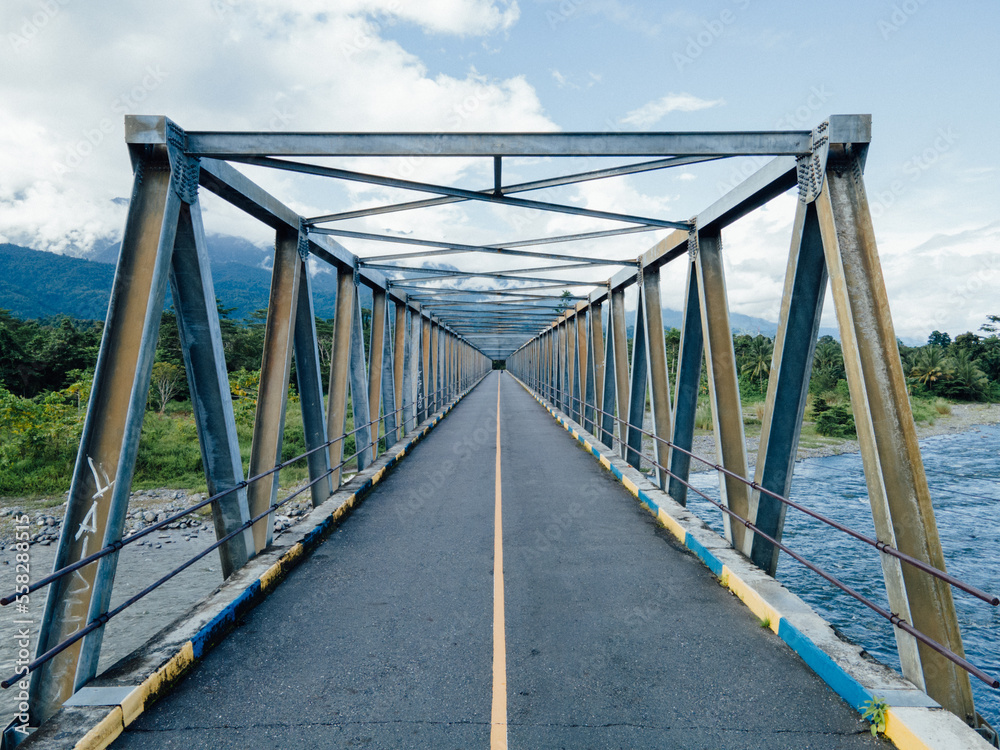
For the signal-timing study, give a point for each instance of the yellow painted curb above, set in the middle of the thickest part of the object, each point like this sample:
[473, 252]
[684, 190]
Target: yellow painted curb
[901, 735]
[671, 525]
[106, 732]
[754, 601]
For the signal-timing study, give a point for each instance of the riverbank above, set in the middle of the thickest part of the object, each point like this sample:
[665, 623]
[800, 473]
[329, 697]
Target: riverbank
[963, 417]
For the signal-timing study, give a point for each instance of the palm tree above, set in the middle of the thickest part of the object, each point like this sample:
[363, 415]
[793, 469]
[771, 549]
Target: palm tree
[758, 358]
[931, 366]
[967, 380]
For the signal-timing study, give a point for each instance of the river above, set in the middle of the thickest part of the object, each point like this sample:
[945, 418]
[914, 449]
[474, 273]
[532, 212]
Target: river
[963, 471]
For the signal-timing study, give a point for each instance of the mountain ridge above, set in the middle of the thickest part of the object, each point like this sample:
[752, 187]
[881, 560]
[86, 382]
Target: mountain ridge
[40, 284]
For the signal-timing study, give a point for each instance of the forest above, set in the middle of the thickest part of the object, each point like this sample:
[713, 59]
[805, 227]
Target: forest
[46, 370]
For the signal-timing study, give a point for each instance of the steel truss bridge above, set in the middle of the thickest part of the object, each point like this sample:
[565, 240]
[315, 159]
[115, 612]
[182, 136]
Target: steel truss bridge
[437, 331]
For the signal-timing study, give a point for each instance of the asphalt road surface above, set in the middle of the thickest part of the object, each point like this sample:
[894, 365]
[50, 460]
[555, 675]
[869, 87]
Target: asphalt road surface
[615, 637]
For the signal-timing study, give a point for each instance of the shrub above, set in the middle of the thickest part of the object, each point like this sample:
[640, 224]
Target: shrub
[833, 420]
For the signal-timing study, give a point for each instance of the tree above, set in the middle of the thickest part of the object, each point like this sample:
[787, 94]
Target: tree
[938, 339]
[931, 367]
[166, 382]
[967, 381]
[564, 302]
[993, 326]
[757, 363]
[828, 365]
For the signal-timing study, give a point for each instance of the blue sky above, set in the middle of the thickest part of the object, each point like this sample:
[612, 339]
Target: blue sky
[926, 71]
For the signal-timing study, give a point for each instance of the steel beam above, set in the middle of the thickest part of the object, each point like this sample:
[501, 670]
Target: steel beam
[619, 363]
[377, 364]
[897, 486]
[595, 361]
[638, 385]
[98, 497]
[340, 362]
[788, 384]
[426, 187]
[688, 383]
[656, 359]
[519, 188]
[359, 390]
[208, 382]
[275, 374]
[228, 145]
[309, 377]
[723, 383]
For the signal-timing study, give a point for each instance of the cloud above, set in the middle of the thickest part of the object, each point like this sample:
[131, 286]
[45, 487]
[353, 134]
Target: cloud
[654, 111]
[224, 65]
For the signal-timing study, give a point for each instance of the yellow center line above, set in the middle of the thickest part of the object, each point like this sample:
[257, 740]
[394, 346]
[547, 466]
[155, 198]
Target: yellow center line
[498, 720]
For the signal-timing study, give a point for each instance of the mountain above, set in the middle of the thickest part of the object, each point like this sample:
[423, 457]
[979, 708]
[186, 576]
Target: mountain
[35, 284]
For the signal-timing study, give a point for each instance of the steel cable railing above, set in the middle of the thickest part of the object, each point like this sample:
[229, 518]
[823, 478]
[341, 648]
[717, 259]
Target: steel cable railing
[893, 618]
[116, 546]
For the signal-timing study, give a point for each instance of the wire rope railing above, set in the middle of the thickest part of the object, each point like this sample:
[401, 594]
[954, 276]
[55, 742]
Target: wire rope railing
[446, 393]
[884, 547]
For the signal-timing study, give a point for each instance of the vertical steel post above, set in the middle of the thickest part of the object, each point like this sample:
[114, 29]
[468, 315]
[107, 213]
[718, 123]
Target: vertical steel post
[638, 383]
[208, 382]
[897, 485]
[656, 358]
[572, 374]
[400, 359]
[788, 384]
[411, 372]
[98, 498]
[340, 363]
[595, 389]
[581, 367]
[689, 359]
[376, 362]
[308, 374]
[619, 344]
[359, 389]
[389, 402]
[426, 375]
[275, 374]
[723, 382]
[435, 376]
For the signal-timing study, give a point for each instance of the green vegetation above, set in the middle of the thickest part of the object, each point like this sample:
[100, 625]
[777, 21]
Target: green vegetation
[46, 374]
[876, 713]
[966, 368]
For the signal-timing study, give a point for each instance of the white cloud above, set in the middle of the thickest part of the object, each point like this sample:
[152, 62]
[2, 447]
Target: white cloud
[654, 111]
[322, 66]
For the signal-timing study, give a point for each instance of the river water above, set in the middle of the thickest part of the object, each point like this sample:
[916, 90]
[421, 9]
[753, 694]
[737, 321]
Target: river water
[963, 471]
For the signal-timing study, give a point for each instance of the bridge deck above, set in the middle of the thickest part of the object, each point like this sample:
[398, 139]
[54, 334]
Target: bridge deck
[615, 637]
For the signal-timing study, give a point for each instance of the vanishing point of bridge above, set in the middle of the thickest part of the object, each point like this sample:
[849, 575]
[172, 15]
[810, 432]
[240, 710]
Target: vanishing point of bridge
[498, 584]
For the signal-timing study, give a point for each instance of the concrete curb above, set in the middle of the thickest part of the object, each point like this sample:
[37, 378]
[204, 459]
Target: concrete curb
[97, 714]
[914, 720]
